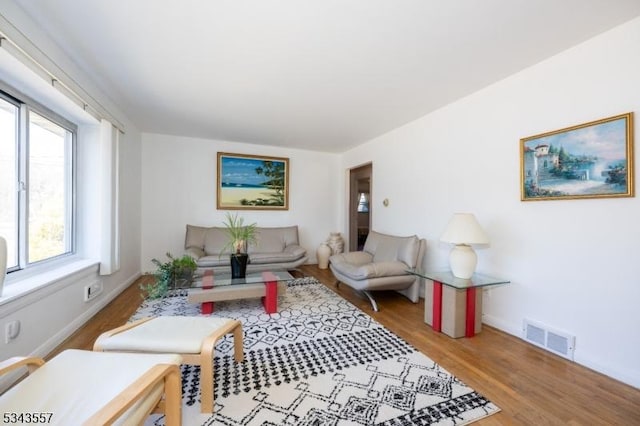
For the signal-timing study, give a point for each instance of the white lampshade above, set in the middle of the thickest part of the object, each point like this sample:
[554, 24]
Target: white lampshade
[463, 230]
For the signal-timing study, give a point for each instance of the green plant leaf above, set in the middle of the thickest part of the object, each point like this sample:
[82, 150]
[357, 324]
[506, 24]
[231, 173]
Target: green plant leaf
[240, 235]
[167, 274]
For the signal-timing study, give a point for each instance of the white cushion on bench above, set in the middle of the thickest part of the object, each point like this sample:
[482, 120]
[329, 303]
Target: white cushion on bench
[166, 335]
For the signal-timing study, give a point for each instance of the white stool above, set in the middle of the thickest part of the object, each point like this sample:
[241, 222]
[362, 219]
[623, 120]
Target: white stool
[194, 338]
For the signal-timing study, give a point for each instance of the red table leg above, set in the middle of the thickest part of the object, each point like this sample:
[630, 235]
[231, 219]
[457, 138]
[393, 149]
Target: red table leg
[470, 314]
[270, 299]
[437, 306]
[207, 283]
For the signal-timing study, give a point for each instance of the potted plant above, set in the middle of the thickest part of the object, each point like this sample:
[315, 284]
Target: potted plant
[240, 236]
[174, 273]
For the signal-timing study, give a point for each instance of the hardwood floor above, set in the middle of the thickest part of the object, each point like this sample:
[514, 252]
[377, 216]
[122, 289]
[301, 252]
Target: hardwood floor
[530, 385]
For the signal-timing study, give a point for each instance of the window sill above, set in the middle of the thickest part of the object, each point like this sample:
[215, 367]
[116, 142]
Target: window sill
[22, 285]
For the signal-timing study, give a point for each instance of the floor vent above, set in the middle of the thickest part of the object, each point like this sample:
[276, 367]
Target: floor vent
[555, 341]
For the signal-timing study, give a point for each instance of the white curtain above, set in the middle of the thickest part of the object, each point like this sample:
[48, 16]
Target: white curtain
[3, 262]
[109, 190]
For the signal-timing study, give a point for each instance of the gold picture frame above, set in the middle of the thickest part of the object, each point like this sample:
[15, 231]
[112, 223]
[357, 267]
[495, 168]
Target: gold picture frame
[252, 182]
[591, 160]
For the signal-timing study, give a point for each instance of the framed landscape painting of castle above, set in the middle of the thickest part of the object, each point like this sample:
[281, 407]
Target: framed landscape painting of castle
[591, 160]
[252, 182]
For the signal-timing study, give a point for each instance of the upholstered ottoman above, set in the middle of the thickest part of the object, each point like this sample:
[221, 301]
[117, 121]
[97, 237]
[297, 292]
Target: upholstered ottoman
[194, 338]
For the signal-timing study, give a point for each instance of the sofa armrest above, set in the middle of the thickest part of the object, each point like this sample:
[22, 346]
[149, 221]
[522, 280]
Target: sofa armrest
[195, 253]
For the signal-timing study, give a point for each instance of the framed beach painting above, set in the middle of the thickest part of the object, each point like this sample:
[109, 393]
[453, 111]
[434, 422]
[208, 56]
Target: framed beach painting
[252, 182]
[591, 160]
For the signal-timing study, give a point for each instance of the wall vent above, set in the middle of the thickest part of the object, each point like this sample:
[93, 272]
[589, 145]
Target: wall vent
[555, 341]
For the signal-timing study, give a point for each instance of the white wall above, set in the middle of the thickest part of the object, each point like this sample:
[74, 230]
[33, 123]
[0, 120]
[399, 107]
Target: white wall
[179, 188]
[574, 264]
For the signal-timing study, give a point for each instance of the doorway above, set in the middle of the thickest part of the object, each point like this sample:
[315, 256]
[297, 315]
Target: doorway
[360, 206]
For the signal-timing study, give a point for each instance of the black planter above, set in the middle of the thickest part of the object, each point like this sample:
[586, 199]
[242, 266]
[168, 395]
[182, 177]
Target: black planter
[239, 265]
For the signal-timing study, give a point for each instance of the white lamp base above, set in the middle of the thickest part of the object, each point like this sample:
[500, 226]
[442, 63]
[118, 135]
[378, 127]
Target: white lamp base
[463, 261]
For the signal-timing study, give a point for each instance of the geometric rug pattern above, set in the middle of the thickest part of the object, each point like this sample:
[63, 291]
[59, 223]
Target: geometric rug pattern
[318, 361]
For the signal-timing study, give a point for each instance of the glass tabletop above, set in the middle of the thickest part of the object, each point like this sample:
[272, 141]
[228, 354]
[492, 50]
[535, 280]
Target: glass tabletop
[224, 278]
[447, 278]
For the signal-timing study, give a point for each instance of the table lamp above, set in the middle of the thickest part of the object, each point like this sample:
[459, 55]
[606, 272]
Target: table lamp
[463, 230]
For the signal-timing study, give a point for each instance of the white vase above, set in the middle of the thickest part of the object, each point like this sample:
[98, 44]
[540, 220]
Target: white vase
[323, 253]
[336, 242]
[3, 262]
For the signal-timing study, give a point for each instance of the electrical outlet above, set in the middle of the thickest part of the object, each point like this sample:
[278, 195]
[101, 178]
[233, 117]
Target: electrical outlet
[11, 330]
[92, 290]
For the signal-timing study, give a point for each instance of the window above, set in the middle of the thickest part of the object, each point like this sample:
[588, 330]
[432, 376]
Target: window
[36, 182]
[363, 202]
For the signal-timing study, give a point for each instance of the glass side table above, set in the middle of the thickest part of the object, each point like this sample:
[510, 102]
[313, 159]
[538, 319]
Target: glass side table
[454, 305]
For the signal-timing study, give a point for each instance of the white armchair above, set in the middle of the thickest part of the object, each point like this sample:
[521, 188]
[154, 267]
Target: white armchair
[381, 265]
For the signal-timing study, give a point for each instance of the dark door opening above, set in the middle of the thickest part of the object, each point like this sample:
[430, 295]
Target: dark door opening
[360, 206]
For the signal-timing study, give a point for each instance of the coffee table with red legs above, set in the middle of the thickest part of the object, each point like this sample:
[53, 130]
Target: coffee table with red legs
[217, 287]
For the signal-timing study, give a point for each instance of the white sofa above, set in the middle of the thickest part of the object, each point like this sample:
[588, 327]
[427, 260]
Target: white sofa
[276, 248]
[381, 265]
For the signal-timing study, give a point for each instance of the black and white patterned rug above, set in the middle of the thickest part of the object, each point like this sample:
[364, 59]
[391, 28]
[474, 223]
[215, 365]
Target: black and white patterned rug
[318, 361]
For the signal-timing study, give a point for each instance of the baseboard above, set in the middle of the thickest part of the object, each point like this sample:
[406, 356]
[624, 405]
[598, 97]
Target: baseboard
[55, 340]
[624, 377]
[502, 325]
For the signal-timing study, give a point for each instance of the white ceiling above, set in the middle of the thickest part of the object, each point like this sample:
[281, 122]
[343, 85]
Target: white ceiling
[324, 75]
